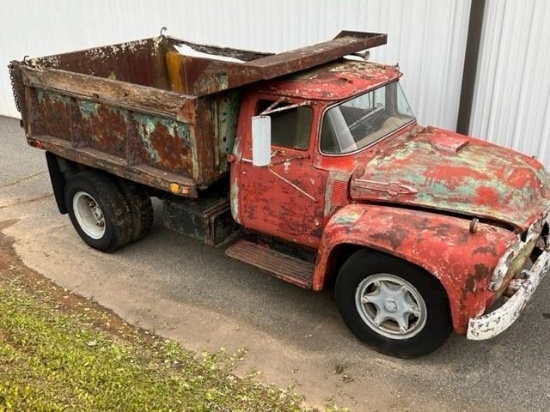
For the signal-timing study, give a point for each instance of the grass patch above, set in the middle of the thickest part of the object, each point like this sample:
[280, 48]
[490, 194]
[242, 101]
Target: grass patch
[61, 352]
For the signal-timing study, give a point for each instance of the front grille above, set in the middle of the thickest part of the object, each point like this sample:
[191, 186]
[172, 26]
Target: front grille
[513, 261]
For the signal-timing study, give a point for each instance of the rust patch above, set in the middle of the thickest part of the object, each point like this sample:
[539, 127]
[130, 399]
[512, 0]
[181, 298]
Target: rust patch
[166, 143]
[139, 62]
[337, 80]
[102, 128]
[481, 275]
[51, 114]
[487, 249]
[393, 237]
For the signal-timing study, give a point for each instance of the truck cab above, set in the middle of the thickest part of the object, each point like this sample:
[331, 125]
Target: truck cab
[321, 121]
[423, 229]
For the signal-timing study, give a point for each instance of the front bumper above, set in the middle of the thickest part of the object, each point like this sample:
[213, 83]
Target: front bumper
[494, 323]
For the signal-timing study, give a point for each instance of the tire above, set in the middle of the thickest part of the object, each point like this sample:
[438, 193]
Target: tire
[141, 209]
[98, 211]
[391, 305]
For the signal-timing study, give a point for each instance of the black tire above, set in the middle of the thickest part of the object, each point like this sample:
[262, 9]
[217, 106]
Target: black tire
[98, 211]
[391, 305]
[141, 208]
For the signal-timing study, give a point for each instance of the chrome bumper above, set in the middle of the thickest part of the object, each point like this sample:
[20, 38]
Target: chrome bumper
[494, 323]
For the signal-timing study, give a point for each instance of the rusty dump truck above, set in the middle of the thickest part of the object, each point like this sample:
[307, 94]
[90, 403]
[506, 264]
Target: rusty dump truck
[308, 164]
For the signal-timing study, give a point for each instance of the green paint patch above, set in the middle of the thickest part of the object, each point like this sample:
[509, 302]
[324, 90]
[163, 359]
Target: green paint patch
[44, 96]
[151, 128]
[147, 125]
[87, 109]
[347, 218]
[227, 116]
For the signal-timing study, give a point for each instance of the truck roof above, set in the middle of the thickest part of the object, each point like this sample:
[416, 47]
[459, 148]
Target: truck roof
[333, 81]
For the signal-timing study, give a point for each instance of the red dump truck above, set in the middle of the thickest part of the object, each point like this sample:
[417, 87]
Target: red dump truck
[308, 164]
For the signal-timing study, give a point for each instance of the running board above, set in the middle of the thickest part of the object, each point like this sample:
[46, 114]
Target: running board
[287, 268]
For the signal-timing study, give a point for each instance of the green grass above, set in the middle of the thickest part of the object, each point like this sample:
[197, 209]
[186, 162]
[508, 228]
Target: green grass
[60, 352]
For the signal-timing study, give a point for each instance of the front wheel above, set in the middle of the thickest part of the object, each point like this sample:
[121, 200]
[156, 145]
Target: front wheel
[391, 305]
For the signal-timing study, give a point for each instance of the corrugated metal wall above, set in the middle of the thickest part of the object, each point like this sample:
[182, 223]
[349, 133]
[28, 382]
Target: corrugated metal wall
[512, 101]
[426, 37]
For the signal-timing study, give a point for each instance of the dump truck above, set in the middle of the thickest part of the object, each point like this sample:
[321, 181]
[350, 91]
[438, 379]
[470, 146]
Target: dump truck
[308, 164]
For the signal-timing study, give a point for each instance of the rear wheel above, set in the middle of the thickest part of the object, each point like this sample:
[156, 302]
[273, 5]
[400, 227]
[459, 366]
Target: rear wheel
[98, 211]
[392, 305]
[141, 208]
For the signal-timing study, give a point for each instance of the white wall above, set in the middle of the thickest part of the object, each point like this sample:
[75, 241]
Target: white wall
[426, 37]
[512, 99]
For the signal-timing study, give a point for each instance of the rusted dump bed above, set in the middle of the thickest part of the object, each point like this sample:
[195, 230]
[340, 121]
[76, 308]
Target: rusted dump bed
[144, 111]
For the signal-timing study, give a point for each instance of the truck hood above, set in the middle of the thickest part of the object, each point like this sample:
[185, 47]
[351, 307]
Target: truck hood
[438, 169]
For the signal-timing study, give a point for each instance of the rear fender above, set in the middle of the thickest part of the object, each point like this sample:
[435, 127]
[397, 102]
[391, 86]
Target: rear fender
[442, 245]
[58, 181]
[60, 169]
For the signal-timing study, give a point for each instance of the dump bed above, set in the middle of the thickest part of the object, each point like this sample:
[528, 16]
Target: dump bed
[147, 110]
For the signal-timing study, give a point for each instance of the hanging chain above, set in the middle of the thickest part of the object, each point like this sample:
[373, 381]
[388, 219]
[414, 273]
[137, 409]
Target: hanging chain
[14, 89]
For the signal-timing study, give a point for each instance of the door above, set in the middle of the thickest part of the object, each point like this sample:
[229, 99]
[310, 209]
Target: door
[286, 198]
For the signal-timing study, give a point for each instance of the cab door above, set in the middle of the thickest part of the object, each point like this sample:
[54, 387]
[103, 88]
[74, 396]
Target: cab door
[286, 198]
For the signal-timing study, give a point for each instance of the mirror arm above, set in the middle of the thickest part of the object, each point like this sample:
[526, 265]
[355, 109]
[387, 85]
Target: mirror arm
[270, 109]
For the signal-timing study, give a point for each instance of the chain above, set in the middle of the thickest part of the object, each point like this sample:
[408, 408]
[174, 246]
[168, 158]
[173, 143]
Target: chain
[15, 94]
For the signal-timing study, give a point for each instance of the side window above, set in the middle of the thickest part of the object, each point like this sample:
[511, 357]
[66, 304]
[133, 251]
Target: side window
[289, 128]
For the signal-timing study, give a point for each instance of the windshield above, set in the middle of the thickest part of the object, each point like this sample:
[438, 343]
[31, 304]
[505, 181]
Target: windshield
[363, 120]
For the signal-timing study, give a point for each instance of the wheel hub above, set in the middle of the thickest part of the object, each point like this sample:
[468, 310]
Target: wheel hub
[391, 306]
[89, 215]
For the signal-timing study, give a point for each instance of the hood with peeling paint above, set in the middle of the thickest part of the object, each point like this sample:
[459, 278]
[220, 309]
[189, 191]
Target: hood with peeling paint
[442, 170]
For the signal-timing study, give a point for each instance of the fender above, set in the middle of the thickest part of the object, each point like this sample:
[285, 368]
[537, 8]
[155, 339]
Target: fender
[442, 245]
[57, 178]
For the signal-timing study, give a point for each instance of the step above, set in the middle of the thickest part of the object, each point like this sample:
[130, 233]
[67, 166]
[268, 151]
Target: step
[288, 268]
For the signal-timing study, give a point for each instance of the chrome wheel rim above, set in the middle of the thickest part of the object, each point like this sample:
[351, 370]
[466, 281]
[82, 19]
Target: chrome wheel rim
[89, 215]
[391, 306]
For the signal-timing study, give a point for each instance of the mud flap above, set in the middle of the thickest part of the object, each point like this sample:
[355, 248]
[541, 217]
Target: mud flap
[58, 181]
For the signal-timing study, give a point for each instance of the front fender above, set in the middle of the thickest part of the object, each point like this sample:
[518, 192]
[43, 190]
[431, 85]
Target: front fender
[442, 245]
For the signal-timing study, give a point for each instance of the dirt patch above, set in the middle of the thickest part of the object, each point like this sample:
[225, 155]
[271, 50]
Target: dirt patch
[45, 290]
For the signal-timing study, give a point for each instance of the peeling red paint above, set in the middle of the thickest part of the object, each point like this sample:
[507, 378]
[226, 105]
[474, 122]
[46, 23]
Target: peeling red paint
[469, 182]
[339, 80]
[487, 195]
[440, 244]
[453, 175]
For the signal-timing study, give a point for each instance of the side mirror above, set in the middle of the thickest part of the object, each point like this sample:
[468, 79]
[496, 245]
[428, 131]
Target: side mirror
[261, 140]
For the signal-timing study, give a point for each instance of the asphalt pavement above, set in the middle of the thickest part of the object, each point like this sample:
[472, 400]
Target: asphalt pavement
[182, 289]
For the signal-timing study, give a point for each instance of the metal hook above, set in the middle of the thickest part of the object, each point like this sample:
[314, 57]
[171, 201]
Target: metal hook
[162, 30]
[25, 58]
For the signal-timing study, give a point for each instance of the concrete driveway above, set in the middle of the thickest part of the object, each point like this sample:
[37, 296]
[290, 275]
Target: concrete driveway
[182, 289]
